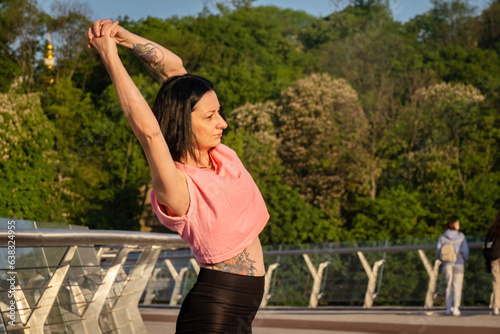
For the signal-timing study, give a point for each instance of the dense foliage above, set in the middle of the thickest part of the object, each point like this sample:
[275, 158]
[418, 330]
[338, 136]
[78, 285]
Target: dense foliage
[355, 126]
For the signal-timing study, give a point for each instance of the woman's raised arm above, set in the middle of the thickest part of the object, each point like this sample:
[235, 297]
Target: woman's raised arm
[159, 59]
[168, 182]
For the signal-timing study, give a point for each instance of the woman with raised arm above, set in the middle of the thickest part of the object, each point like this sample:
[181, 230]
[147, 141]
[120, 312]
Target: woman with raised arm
[200, 188]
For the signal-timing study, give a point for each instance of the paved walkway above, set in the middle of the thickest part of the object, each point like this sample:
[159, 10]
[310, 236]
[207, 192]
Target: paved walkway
[295, 320]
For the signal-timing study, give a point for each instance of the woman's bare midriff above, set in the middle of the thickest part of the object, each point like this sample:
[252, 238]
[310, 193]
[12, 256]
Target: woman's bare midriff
[249, 262]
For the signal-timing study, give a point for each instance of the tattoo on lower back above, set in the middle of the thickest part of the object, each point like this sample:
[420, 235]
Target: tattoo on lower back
[150, 54]
[240, 264]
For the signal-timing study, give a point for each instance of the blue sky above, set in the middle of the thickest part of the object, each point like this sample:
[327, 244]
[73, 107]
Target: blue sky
[137, 9]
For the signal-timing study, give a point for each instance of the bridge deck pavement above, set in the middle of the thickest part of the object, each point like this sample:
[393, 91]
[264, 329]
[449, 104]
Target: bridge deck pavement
[338, 320]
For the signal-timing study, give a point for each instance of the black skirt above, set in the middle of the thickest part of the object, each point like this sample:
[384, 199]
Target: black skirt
[221, 302]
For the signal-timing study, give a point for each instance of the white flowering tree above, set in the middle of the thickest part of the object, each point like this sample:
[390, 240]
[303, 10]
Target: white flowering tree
[322, 131]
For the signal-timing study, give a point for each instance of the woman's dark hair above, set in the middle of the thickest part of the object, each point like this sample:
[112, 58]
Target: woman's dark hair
[173, 106]
[451, 222]
[495, 228]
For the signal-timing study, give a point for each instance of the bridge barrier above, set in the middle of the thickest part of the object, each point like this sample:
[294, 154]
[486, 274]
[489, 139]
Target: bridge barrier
[76, 281]
[92, 281]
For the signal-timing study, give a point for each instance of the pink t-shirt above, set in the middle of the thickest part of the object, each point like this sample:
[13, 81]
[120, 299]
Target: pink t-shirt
[226, 211]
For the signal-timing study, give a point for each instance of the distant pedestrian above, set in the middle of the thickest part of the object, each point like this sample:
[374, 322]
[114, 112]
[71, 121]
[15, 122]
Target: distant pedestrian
[491, 253]
[453, 251]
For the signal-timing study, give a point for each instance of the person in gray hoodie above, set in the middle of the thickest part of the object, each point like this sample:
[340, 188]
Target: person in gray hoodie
[453, 270]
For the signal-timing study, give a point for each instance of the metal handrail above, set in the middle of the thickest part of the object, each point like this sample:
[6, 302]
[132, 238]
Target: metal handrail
[62, 237]
[90, 245]
[346, 250]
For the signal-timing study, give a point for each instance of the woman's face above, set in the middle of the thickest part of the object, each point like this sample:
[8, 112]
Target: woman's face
[207, 122]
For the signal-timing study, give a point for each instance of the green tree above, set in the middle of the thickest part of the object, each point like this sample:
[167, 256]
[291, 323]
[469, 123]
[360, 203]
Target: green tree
[468, 65]
[10, 69]
[72, 113]
[489, 27]
[448, 22]
[27, 160]
[67, 26]
[21, 28]
[251, 54]
[397, 213]
[101, 165]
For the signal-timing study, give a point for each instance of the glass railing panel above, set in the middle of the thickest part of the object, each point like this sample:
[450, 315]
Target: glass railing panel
[19, 223]
[345, 281]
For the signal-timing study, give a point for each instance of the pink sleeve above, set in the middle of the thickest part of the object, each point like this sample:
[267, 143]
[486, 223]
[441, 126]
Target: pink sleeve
[175, 223]
[168, 221]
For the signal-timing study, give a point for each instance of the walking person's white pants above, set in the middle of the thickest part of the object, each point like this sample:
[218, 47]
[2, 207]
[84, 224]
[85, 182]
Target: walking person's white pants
[454, 275]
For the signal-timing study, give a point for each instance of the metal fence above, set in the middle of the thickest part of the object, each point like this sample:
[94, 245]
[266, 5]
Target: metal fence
[390, 272]
[75, 281]
[89, 281]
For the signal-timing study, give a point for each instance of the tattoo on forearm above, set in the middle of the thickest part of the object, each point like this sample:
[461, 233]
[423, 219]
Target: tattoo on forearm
[240, 264]
[151, 55]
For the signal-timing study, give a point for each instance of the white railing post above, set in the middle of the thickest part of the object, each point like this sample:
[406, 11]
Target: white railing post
[129, 298]
[317, 277]
[22, 308]
[267, 284]
[40, 312]
[148, 297]
[433, 275]
[91, 313]
[370, 294]
[177, 276]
